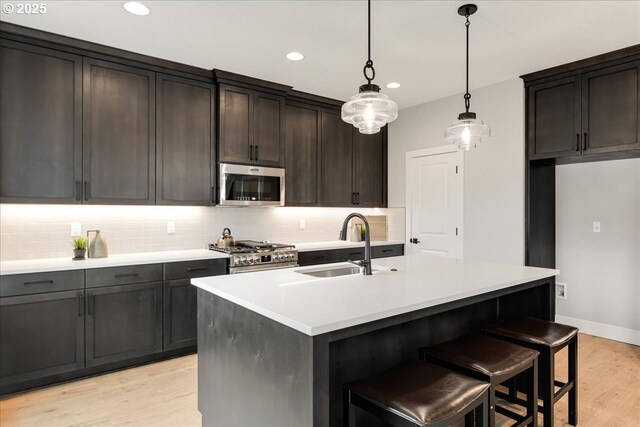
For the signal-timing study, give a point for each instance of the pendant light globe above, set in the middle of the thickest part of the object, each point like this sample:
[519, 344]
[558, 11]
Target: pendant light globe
[369, 110]
[468, 131]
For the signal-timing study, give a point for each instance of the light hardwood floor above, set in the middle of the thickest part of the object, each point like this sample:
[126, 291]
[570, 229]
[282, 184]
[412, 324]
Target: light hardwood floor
[164, 394]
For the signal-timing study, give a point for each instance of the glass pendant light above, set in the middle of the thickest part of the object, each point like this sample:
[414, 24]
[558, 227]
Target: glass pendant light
[369, 110]
[468, 131]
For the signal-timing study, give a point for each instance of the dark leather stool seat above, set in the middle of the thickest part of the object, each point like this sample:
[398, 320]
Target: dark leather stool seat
[547, 338]
[494, 361]
[419, 394]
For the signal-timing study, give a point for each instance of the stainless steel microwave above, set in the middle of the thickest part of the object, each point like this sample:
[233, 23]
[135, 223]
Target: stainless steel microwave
[242, 185]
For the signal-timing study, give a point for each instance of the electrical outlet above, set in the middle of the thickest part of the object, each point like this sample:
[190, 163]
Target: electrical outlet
[302, 224]
[76, 229]
[596, 226]
[561, 290]
[171, 227]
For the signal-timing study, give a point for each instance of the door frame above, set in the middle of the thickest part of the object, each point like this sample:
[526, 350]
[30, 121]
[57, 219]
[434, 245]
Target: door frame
[427, 152]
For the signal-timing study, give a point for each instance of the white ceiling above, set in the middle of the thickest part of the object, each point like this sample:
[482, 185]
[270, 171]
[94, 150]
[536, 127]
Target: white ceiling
[417, 43]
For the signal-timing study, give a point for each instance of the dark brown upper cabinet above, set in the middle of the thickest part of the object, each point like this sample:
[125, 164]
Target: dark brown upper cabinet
[336, 172]
[302, 142]
[554, 118]
[352, 169]
[118, 134]
[251, 127]
[594, 111]
[611, 109]
[40, 125]
[370, 168]
[185, 144]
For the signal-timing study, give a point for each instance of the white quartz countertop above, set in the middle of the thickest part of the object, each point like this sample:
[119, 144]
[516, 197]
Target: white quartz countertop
[116, 260]
[341, 244]
[315, 306]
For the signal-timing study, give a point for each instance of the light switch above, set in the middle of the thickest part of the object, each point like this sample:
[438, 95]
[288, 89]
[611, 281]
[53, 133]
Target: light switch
[596, 226]
[302, 224]
[171, 227]
[76, 229]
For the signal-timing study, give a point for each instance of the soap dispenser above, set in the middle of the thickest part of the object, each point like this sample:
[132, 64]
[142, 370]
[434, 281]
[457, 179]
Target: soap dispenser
[97, 246]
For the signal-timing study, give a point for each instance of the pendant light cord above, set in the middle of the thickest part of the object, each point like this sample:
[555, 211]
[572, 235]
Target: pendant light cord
[467, 95]
[369, 63]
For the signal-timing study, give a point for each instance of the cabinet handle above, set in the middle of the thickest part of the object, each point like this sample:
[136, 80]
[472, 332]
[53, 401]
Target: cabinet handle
[577, 142]
[41, 282]
[196, 269]
[89, 304]
[78, 191]
[318, 257]
[213, 194]
[250, 152]
[123, 275]
[80, 304]
[585, 143]
[86, 190]
[357, 198]
[387, 250]
[355, 253]
[353, 198]
[256, 153]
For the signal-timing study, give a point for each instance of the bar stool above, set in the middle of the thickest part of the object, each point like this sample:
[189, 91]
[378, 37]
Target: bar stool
[494, 361]
[419, 394]
[547, 338]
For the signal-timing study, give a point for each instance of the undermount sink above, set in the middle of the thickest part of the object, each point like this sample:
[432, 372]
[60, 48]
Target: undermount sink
[331, 272]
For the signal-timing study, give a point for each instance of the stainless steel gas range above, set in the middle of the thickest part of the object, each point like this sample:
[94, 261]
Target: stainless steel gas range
[251, 255]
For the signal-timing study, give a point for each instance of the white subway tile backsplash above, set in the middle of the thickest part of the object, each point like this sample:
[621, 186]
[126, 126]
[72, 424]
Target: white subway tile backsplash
[43, 231]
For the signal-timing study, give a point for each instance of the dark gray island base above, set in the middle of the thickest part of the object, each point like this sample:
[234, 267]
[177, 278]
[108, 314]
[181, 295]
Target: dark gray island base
[254, 371]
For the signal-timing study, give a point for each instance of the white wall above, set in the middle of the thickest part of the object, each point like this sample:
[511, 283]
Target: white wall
[43, 231]
[494, 172]
[602, 270]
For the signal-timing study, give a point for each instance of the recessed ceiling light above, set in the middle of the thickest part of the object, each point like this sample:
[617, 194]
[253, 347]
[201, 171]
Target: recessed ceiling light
[136, 8]
[393, 85]
[294, 56]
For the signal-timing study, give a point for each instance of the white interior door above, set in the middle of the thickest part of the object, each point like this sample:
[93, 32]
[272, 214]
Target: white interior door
[434, 202]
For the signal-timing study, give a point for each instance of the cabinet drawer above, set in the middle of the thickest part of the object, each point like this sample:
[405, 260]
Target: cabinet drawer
[316, 257]
[349, 254]
[37, 283]
[123, 275]
[387, 251]
[199, 268]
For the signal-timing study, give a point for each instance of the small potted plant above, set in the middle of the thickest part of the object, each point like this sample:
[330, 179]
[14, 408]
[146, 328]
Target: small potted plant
[79, 247]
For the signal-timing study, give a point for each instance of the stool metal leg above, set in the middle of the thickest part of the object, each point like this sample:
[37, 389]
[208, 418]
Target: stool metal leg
[492, 406]
[346, 401]
[573, 377]
[547, 387]
[482, 412]
[532, 394]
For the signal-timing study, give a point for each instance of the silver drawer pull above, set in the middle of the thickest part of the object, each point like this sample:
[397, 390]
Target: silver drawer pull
[122, 276]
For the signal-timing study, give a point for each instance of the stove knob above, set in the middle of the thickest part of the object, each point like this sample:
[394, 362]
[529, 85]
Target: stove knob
[252, 260]
[241, 260]
[277, 257]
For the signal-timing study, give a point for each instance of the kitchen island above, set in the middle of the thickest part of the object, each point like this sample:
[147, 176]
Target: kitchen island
[274, 347]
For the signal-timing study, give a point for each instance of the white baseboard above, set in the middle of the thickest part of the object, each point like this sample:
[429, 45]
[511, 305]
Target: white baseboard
[612, 332]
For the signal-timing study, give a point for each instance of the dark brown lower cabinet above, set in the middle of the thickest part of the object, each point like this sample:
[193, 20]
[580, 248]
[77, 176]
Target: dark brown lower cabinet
[180, 314]
[41, 335]
[123, 322]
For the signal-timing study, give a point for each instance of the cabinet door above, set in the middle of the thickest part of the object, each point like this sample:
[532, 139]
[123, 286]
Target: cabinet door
[123, 322]
[180, 314]
[336, 171]
[611, 109]
[301, 168]
[41, 335]
[370, 168]
[118, 134]
[236, 125]
[40, 124]
[185, 146]
[553, 119]
[268, 138]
